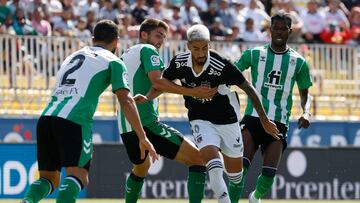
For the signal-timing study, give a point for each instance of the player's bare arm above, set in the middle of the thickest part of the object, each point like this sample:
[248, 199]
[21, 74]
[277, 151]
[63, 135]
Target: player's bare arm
[162, 84]
[268, 125]
[305, 99]
[128, 106]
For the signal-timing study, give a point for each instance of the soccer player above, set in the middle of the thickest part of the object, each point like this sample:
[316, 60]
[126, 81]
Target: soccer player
[214, 122]
[145, 75]
[274, 70]
[64, 136]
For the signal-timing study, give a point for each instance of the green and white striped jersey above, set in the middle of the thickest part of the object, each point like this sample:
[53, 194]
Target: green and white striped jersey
[274, 75]
[141, 59]
[83, 76]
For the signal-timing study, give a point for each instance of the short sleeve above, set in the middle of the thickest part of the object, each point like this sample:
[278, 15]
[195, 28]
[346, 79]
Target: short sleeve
[172, 72]
[303, 78]
[233, 75]
[151, 59]
[118, 75]
[244, 62]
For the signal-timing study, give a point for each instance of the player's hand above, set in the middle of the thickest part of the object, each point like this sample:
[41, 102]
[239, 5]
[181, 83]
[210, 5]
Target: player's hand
[270, 128]
[304, 121]
[145, 145]
[204, 92]
[140, 99]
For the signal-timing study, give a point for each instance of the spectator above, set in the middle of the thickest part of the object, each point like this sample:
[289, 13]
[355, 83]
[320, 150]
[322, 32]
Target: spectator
[335, 15]
[85, 6]
[202, 5]
[127, 31]
[335, 35]
[15, 4]
[225, 14]
[41, 25]
[5, 13]
[21, 25]
[177, 21]
[55, 10]
[354, 17]
[188, 12]
[3, 30]
[158, 11]
[355, 37]
[217, 31]
[314, 23]
[66, 26]
[108, 11]
[91, 20]
[208, 17]
[251, 33]
[139, 11]
[236, 12]
[81, 31]
[296, 21]
[122, 7]
[34, 4]
[258, 15]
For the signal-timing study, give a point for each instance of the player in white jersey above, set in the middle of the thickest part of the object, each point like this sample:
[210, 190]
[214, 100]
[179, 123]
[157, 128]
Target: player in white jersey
[64, 137]
[274, 70]
[214, 122]
[145, 78]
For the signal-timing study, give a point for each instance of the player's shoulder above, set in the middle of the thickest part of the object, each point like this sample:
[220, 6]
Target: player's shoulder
[216, 57]
[149, 47]
[296, 54]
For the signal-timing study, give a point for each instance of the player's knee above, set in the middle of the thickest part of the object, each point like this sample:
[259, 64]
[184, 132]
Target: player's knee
[268, 171]
[53, 179]
[235, 177]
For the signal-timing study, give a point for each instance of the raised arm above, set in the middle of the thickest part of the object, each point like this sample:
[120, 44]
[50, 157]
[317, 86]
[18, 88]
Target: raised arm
[268, 125]
[305, 99]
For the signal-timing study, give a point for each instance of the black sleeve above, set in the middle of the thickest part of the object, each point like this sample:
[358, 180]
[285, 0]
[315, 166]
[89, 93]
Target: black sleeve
[172, 72]
[233, 74]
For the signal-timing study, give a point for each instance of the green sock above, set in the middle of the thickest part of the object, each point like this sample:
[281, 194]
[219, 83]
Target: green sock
[235, 191]
[38, 190]
[133, 188]
[196, 183]
[69, 190]
[234, 187]
[263, 184]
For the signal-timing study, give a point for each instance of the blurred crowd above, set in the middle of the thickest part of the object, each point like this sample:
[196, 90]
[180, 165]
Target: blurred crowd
[314, 21]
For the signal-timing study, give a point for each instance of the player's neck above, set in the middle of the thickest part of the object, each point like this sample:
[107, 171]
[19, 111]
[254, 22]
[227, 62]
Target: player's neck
[196, 67]
[278, 49]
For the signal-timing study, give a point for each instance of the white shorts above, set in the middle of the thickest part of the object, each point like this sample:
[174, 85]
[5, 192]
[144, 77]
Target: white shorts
[226, 137]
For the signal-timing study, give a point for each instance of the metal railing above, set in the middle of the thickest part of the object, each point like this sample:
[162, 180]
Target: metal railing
[28, 66]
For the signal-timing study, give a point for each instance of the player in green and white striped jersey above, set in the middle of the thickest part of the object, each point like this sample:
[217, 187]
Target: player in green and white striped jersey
[64, 137]
[274, 70]
[145, 78]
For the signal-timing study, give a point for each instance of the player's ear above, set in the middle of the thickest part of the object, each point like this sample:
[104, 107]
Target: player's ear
[143, 35]
[290, 31]
[188, 44]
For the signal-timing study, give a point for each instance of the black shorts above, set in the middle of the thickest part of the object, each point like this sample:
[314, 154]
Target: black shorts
[165, 139]
[62, 143]
[257, 131]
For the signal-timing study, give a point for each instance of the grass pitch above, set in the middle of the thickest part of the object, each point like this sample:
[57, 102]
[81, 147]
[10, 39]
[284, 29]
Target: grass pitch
[184, 201]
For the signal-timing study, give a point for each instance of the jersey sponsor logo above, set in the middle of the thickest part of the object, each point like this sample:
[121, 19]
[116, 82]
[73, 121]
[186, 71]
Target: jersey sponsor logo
[274, 80]
[214, 72]
[155, 60]
[179, 64]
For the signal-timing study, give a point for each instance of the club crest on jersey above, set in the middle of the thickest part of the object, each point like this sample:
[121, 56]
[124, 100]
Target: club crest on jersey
[125, 77]
[155, 60]
[214, 72]
[292, 62]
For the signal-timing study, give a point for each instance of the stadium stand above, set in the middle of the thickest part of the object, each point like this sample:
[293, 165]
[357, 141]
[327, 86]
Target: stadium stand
[28, 74]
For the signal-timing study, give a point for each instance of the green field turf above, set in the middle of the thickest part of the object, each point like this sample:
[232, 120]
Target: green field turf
[185, 201]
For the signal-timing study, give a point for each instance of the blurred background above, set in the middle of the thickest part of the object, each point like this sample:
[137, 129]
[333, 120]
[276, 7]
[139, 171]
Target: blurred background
[322, 161]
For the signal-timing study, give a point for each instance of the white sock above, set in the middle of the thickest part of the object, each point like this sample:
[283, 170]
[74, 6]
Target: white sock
[216, 170]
